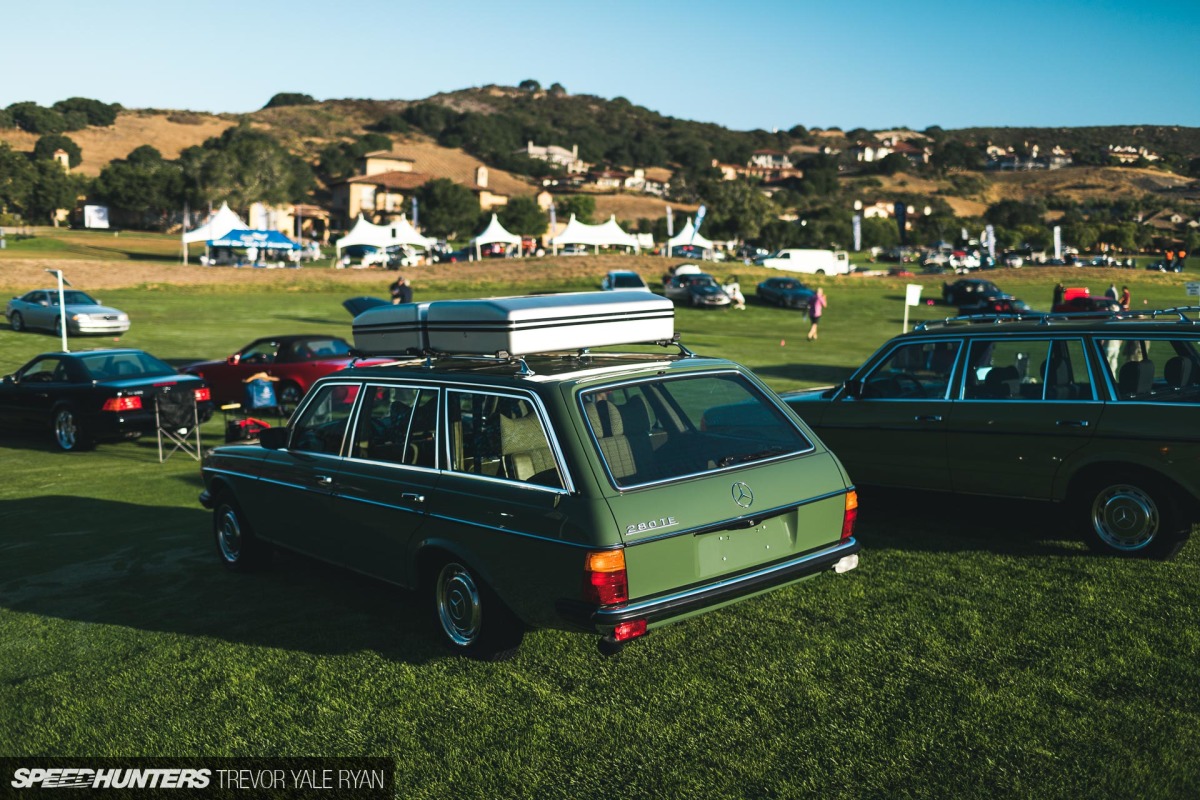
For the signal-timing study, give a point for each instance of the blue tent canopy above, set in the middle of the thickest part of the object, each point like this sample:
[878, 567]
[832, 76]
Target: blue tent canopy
[263, 240]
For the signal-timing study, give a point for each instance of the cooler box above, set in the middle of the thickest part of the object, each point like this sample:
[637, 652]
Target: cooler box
[392, 330]
[548, 323]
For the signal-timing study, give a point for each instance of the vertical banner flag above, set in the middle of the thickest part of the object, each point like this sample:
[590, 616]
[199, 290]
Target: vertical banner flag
[912, 297]
[901, 221]
[857, 232]
[414, 207]
[670, 231]
[553, 222]
[699, 219]
[990, 233]
[1058, 241]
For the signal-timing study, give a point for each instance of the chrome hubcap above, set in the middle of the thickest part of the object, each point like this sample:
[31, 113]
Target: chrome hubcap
[1125, 517]
[458, 606]
[64, 429]
[229, 535]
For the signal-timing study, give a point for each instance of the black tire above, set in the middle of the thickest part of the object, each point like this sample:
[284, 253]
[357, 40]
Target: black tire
[1133, 515]
[820, 272]
[237, 546]
[473, 621]
[289, 396]
[67, 431]
[16, 322]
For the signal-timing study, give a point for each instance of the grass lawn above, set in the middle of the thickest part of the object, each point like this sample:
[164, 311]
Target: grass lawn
[979, 650]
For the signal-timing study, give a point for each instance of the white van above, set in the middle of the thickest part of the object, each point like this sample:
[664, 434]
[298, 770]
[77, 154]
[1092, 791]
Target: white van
[814, 262]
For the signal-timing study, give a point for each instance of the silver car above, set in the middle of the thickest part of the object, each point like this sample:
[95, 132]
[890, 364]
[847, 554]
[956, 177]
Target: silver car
[39, 309]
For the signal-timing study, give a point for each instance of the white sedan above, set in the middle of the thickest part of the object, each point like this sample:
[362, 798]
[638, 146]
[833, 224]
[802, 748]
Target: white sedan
[39, 310]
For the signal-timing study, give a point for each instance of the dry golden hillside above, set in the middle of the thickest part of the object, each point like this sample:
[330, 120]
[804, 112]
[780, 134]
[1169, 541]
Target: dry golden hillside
[632, 207]
[170, 132]
[1081, 183]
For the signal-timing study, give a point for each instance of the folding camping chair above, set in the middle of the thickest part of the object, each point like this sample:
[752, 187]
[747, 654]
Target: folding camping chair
[260, 397]
[177, 421]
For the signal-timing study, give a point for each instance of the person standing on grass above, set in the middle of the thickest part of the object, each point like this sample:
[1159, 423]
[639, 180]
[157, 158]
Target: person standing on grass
[1125, 298]
[816, 308]
[401, 291]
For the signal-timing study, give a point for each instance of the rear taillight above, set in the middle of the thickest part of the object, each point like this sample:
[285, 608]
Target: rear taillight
[122, 404]
[604, 578]
[629, 630]
[851, 515]
[203, 395]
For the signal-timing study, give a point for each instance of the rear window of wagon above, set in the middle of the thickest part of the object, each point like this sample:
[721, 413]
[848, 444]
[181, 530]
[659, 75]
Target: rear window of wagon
[661, 429]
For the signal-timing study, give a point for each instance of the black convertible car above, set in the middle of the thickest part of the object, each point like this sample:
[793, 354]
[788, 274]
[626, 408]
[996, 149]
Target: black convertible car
[786, 293]
[95, 395]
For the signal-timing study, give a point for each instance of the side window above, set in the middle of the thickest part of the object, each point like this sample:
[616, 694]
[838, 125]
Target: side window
[397, 425]
[1153, 370]
[501, 437]
[1007, 370]
[261, 353]
[47, 370]
[920, 370]
[322, 426]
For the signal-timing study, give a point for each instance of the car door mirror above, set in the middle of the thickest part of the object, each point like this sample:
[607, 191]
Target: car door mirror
[273, 438]
[853, 389]
[10, 379]
[233, 359]
[43, 302]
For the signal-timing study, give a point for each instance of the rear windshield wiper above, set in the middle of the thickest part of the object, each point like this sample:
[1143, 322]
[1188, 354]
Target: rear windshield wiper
[742, 458]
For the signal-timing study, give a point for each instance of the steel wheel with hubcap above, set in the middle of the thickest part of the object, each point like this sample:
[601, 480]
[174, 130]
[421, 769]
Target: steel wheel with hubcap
[1129, 519]
[472, 618]
[237, 547]
[16, 322]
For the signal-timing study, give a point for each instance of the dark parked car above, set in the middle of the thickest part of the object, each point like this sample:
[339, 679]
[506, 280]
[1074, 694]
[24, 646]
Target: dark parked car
[785, 292]
[698, 290]
[93, 396]
[295, 360]
[1004, 304]
[970, 291]
[1096, 414]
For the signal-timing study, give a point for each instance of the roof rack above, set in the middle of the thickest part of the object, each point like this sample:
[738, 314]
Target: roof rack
[1063, 316]
[580, 356]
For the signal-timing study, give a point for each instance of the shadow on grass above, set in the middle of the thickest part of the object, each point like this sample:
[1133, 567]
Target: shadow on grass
[153, 569]
[317, 320]
[938, 522]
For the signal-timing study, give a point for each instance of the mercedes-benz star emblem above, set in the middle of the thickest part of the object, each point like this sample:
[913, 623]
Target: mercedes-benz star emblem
[742, 495]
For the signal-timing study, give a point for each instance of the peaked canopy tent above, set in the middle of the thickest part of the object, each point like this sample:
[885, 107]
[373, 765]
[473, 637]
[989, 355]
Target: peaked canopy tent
[219, 224]
[608, 234]
[689, 235]
[368, 234]
[495, 233]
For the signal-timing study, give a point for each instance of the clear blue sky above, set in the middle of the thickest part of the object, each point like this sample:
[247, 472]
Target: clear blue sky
[744, 64]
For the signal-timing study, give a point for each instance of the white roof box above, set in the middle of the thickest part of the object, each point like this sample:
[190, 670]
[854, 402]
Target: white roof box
[517, 325]
[392, 330]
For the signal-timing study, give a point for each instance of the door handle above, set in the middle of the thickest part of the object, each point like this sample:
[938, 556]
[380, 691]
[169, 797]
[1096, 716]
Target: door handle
[324, 480]
[928, 418]
[413, 497]
[1072, 423]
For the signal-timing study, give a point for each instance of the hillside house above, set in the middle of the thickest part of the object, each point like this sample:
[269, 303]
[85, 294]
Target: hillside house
[770, 160]
[1128, 154]
[870, 151]
[568, 160]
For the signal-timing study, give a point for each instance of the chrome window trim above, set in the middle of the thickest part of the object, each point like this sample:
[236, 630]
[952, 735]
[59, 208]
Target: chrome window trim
[1048, 339]
[877, 360]
[351, 418]
[1153, 336]
[366, 384]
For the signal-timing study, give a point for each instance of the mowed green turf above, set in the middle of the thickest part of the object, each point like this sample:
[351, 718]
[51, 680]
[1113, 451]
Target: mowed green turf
[978, 651]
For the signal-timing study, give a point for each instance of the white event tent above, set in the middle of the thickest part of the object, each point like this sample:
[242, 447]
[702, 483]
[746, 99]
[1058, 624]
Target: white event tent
[368, 234]
[217, 226]
[689, 235]
[495, 233]
[608, 234]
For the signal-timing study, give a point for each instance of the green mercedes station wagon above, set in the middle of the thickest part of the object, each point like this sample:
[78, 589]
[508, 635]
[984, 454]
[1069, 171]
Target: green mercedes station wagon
[1097, 412]
[517, 477]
